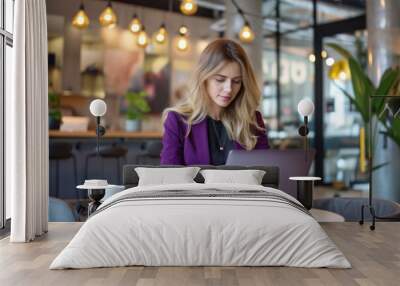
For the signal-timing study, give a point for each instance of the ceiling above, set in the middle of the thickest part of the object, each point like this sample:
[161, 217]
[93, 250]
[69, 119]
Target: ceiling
[294, 14]
[213, 8]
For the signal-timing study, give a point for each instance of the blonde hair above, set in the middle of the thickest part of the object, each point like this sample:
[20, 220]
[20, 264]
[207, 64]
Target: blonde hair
[239, 117]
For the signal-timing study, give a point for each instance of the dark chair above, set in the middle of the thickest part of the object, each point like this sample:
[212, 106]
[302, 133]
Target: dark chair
[115, 152]
[350, 208]
[151, 154]
[59, 151]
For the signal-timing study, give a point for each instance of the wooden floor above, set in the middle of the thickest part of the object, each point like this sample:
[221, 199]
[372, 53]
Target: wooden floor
[375, 257]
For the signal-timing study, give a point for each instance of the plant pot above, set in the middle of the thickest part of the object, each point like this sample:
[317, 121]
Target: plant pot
[54, 124]
[132, 125]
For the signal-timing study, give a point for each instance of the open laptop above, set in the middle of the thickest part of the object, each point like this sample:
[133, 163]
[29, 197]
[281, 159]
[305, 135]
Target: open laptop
[291, 162]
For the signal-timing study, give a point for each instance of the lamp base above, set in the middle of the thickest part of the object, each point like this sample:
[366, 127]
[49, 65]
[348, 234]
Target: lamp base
[95, 196]
[303, 130]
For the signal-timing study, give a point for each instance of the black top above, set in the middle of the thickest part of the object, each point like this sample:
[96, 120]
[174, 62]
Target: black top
[218, 142]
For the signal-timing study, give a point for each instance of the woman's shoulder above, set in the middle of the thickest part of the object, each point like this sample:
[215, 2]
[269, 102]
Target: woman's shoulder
[173, 116]
[175, 121]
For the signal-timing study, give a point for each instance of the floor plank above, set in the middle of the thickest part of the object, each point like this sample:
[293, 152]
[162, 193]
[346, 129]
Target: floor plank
[374, 255]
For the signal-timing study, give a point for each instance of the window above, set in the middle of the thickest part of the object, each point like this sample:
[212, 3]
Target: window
[6, 64]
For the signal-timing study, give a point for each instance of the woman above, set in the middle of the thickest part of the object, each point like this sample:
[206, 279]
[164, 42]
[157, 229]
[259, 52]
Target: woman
[219, 113]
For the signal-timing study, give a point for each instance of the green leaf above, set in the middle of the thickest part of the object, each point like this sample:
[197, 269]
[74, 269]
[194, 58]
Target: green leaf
[389, 78]
[349, 96]
[393, 130]
[342, 51]
[362, 85]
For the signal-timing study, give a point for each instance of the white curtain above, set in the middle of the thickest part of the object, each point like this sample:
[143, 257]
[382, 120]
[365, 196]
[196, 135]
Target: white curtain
[27, 124]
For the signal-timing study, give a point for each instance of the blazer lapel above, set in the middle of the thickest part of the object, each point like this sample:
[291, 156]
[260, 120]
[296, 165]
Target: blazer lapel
[200, 138]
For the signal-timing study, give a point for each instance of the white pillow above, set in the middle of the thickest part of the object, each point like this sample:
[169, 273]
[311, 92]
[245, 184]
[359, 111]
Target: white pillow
[164, 176]
[248, 177]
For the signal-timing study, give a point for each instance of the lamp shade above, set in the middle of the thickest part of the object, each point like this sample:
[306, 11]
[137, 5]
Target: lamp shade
[98, 107]
[305, 107]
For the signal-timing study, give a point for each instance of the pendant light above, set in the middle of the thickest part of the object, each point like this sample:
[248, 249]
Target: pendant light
[188, 7]
[142, 39]
[135, 26]
[162, 34]
[246, 34]
[183, 30]
[108, 18]
[182, 43]
[81, 19]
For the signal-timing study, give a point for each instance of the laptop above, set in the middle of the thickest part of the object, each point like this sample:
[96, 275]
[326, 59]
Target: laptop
[291, 162]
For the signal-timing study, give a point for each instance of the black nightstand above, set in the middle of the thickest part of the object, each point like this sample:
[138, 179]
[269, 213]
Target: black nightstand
[95, 195]
[96, 189]
[305, 187]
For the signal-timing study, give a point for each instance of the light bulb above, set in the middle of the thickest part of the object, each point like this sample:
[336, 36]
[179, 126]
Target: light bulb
[108, 18]
[311, 58]
[188, 7]
[183, 30]
[135, 26]
[305, 107]
[329, 61]
[324, 54]
[162, 34]
[98, 107]
[246, 34]
[143, 39]
[81, 19]
[182, 43]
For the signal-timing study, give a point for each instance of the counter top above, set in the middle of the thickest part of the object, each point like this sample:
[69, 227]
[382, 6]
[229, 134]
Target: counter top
[109, 134]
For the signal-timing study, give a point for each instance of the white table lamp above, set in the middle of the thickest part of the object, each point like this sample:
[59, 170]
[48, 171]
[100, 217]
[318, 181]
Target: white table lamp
[306, 109]
[98, 108]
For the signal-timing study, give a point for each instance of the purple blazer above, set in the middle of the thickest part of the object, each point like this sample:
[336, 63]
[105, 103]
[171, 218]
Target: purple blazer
[179, 149]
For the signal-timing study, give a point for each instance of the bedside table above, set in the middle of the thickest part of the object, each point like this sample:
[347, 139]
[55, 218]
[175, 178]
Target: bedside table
[96, 190]
[95, 195]
[98, 195]
[305, 187]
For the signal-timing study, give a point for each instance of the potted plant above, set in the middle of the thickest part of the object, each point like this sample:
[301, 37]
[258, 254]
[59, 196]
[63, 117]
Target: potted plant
[54, 110]
[137, 107]
[363, 89]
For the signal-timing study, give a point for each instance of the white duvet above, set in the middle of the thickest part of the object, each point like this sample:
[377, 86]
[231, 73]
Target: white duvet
[200, 231]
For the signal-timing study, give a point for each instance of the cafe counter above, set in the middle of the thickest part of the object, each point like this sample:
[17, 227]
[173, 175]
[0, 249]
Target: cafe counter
[109, 134]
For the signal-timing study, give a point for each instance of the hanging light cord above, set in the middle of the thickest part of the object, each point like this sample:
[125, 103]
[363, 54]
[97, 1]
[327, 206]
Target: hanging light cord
[243, 13]
[240, 11]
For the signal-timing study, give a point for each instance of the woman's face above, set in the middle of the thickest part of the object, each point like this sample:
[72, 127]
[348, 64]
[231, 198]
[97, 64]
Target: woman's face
[224, 85]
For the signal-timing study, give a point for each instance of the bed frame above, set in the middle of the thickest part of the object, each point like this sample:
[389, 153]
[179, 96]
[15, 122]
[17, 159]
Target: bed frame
[271, 178]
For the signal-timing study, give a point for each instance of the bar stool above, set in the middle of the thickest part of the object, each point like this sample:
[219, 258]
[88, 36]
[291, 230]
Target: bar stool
[59, 151]
[118, 153]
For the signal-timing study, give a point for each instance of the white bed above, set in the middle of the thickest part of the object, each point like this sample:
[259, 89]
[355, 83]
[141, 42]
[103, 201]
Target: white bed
[185, 230]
